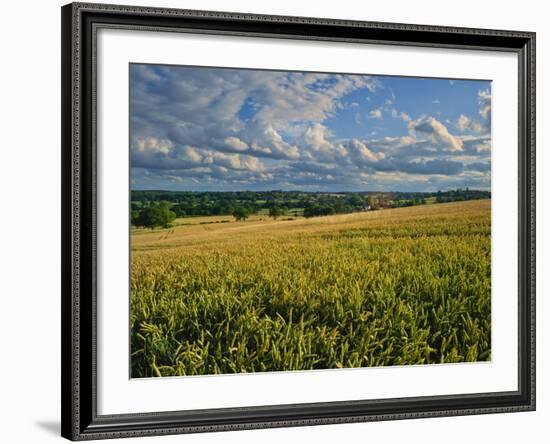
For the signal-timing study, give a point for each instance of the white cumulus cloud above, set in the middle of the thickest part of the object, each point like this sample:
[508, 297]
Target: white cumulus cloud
[376, 114]
[437, 133]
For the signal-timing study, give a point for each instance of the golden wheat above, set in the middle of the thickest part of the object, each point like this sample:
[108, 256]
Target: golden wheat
[391, 287]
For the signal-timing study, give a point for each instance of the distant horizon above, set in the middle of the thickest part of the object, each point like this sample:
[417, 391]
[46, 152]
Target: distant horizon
[228, 129]
[305, 191]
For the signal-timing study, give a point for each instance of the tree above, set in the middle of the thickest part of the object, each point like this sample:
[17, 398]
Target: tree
[240, 214]
[134, 213]
[156, 215]
[355, 201]
[373, 202]
[275, 212]
[318, 210]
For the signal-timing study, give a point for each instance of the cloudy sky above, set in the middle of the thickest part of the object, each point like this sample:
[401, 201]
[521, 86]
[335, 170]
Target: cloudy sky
[233, 129]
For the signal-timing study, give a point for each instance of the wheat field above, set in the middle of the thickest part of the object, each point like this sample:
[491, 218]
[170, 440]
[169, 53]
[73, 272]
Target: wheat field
[391, 287]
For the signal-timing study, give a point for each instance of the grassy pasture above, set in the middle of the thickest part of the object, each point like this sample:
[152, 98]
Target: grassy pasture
[207, 220]
[392, 287]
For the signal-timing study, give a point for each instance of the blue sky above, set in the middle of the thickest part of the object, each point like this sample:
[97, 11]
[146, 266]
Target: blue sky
[221, 129]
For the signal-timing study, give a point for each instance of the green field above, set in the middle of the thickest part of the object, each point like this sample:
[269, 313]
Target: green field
[391, 287]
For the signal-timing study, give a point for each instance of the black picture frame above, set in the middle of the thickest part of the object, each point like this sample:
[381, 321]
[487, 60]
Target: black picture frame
[80, 22]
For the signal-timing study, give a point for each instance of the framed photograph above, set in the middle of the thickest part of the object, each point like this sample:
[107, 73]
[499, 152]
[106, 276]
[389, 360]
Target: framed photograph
[282, 221]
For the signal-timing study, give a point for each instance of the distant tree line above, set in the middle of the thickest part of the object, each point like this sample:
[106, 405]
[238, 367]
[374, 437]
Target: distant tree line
[159, 208]
[461, 195]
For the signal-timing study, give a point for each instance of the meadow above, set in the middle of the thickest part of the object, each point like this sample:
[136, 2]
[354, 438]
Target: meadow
[391, 287]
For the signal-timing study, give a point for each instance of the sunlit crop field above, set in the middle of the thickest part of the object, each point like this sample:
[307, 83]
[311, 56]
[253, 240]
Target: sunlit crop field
[391, 287]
